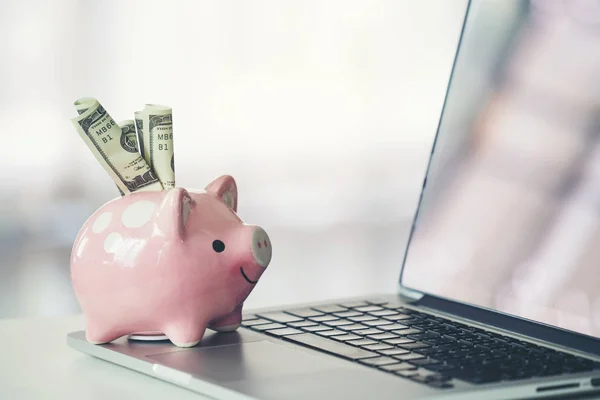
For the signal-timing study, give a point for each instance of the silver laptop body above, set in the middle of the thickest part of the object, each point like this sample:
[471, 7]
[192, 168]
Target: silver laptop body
[485, 254]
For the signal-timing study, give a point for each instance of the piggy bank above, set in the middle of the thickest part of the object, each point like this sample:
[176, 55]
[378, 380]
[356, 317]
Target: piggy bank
[173, 262]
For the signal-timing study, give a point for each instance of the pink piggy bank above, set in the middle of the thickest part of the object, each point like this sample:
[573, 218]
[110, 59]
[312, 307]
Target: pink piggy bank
[172, 262]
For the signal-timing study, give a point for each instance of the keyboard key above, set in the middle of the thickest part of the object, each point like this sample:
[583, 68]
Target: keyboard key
[383, 313]
[255, 322]
[414, 346]
[353, 327]
[397, 317]
[347, 314]
[410, 321]
[399, 341]
[405, 332]
[425, 336]
[265, 327]
[249, 317]
[441, 340]
[330, 346]
[284, 332]
[383, 336]
[330, 309]
[409, 356]
[332, 332]
[393, 327]
[394, 351]
[424, 361]
[302, 323]
[280, 317]
[379, 361]
[345, 338]
[398, 367]
[323, 318]
[368, 308]
[377, 322]
[316, 328]
[353, 304]
[361, 342]
[368, 331]
[440, 354]
[377, 347]
[362, 318]
[305, 312]
[339, 322]
[406, 372]
[440, 367]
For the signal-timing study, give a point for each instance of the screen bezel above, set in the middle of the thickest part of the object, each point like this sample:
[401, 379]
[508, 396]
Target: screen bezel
[514, 323]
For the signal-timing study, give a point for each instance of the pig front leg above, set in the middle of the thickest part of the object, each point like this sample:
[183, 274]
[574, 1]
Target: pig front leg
[229, 322]
[185, 333]
[100, 333]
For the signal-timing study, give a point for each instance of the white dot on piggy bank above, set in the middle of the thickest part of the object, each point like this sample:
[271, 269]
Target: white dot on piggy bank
[138, 214]
[113, 242]
[102, 222]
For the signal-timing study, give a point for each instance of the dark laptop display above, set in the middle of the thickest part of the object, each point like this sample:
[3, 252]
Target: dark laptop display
[510, 214]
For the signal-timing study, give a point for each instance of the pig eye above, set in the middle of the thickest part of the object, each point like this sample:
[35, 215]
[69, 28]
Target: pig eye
[218, 246]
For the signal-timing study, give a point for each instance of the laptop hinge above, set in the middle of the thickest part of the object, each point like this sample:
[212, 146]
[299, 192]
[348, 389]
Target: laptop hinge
[409, 295]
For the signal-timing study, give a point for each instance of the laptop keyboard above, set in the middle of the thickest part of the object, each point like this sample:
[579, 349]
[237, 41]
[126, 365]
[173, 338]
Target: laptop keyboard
[415, 345]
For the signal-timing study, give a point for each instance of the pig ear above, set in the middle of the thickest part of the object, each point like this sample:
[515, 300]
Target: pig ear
[175, 211]
[225, 188]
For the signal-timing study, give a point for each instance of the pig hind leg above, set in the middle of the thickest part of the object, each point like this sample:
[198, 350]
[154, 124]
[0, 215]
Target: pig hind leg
[229, 322]
[185, 333]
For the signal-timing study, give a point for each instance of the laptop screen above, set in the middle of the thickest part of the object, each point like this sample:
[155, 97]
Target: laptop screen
[509, 218]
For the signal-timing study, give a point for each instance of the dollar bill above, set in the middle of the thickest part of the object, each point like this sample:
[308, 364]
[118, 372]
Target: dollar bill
[128, 136]
[82, 104]
[113, 148]
[158, 140]
[139, 126]
[127, 140]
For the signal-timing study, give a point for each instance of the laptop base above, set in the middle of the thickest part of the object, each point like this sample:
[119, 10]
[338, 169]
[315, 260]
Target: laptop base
[251, 364]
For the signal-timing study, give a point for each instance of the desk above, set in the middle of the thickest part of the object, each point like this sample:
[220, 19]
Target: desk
[38, 364]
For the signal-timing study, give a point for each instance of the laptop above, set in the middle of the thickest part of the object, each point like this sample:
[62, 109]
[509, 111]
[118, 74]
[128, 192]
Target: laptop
[499, 286]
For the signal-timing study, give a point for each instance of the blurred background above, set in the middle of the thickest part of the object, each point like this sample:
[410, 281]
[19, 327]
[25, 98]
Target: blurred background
[324, 112]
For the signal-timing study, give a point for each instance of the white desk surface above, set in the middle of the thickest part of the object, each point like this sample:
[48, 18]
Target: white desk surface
[38, 364]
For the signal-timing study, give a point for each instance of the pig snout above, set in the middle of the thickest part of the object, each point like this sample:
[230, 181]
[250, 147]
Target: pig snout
[261, 247]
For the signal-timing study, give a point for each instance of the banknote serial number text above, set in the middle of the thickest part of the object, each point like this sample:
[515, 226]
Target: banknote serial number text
[101, 130]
